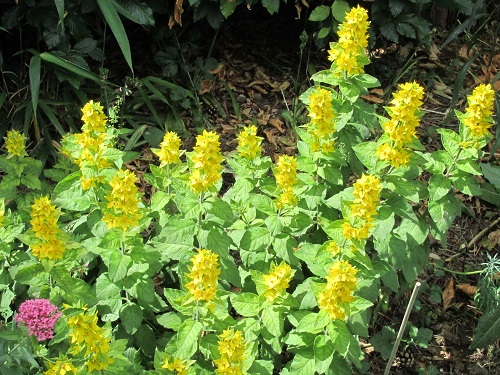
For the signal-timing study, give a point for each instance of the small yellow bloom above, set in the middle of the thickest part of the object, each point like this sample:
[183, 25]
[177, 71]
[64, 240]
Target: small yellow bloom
[94, 119]
[14, 143]
[206, 161]
[478, 113]
[169, 152]
[204, 275]
[176, 366]
[333, 248]
[322, 124]
[277, 280]
[286, 178]
[44, 217]
[340, 284]
[231, 346]
[61, 367]
[249, 143]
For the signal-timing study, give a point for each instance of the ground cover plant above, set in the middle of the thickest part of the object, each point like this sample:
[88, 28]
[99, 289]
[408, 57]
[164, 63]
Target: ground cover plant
[279, 272]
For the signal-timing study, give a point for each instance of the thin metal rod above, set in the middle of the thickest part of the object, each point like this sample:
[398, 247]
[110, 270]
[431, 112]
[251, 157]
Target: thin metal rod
[402, 328]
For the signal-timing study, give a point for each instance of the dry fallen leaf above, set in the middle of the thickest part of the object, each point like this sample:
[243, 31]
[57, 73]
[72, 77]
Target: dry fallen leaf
[494, 237]
[277, 123]
[434, 52]
[448, 293]
[373, 99]
[468, 289]
[176, 17]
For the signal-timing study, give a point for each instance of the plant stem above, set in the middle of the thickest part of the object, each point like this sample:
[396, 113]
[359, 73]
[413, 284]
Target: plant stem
[402, 328]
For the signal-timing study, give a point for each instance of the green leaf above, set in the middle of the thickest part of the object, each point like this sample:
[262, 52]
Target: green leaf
[492, 173]
[34, 72]
[339, 9]
[303, 363]
[171, 320]
[444, 211]
[70, 66]
[255, 239]
[131, 317]
[187, 338]
[246, 304]
[323, 32]
[313, 322]
[366, 154]
[272, 6]
[439, 186]
[31, 181]
[272, 321]
[176, 239]
[109, 11]
[320, 13]
[138, 12]
[28, 271]
[451, 141]
[383, 341]
[340, 336]
[263, 203]
[118, 265]
[69, 194]
[323, 353]
[227, 7]
[222, 211]
[487, 330]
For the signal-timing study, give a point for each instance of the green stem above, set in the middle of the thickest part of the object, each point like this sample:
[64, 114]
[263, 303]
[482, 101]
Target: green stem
[459, 272]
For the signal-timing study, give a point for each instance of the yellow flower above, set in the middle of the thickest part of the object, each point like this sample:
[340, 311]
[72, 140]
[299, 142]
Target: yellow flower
[177, 366]
[231, 346]
[61, 367]
[43, 221]
[286, 177]
[322, 125]
[2, 212]
[94, 119]
[401, 128]
[169, 152]
[340, 284]
[333, 248]
[204, 274]
[206, 162]
[277, 280]
[123, 202]
[478, 113]
[249, 144]
[14, 143]
[86, 334]
[348, 55]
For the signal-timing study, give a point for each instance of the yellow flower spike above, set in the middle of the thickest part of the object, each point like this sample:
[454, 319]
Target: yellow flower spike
[322, 125]
[353, 39]
[94, 119]
[204, 274]
[206, 159]
[61, 367]
[44, 216]
[286, 178]
[123, 202]
[480, 108]
[333, 248]
[277, 281]
[176, 366]
[249, 143]
[15, 144]
[340, 284]
[169, 152]
[231, 346]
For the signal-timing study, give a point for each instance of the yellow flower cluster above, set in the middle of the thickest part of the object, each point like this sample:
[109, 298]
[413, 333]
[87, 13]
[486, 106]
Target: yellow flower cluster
[277, 280]
[204, 274]
[2, 212]
[366, 197]
[94, 119]
[86, 334]
[322, 126]
[14, 143]
[334, 248]
[401, 128]
[169, 152]
[61, 367]
[348, 54]
[44, 216]
[231, 348]
[478, 113]
[249, 143]
[176, 366]
[286, 178]
[89, 145]
[340, 284]
[206, 159]
[123, 202]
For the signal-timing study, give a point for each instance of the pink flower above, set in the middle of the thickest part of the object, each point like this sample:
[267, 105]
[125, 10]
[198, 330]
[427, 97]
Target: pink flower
[39, 315]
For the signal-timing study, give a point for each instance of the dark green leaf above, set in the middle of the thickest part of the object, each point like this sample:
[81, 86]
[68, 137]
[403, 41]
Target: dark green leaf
[131, 317]
[487, 330]
[339, 9]
[320, 13]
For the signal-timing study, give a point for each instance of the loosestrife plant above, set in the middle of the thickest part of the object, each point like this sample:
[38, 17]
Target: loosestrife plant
[280, 273]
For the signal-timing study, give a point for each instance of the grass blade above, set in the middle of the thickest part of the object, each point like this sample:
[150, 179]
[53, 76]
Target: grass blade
[68, 65]
[115, 23]
[34, 72]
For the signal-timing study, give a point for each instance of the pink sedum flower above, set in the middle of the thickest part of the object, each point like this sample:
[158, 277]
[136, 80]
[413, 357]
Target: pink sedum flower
[39, 315]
